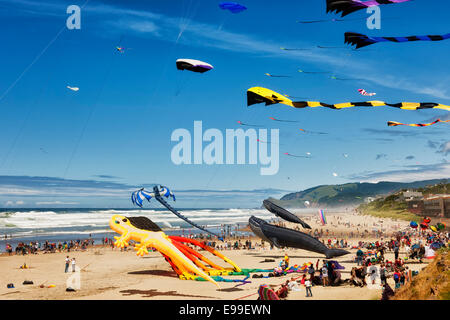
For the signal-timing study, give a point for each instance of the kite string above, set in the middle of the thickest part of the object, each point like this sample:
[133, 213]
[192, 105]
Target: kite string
[36, 59]
[91, 112]
[22, 127]
[32, 63]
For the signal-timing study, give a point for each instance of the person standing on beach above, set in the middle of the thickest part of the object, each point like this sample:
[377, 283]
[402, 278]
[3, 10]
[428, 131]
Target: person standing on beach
[396, 251]
[383, 277]
[325, 274]
[359, 257]
[73, 264]
[308, 286]
[67, 264]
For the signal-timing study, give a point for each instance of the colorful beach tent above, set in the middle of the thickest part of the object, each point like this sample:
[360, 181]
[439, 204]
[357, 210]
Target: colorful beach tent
[429, 253]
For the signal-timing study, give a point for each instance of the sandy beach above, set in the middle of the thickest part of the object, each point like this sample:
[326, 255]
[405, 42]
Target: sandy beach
[111, 274]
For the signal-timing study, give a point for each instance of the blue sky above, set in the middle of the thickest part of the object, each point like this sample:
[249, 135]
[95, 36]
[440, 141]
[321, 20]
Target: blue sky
[117, 128]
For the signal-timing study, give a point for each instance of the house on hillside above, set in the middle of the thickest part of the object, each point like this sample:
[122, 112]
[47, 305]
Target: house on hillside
[411, 195]
[431, 206]
[369, 199]
[437, 206]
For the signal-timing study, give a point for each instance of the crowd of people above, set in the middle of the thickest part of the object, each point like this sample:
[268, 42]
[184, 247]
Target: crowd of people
[34, 247]
[372, 266]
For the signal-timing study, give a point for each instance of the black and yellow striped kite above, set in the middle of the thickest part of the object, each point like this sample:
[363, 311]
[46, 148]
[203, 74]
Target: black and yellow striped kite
[257, 95]
[394, 123]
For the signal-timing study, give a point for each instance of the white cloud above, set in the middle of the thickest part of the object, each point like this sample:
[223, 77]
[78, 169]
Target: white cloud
[409, 174]
[55, 202]
[445, 148]
[14, 203]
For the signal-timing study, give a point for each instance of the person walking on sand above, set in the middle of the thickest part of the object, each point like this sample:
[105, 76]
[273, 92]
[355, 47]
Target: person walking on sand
[73, 264]
[325, 274]
[67, 264]
[308, 286]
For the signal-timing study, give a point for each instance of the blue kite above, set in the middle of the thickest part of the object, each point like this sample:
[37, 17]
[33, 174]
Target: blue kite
[232, 6]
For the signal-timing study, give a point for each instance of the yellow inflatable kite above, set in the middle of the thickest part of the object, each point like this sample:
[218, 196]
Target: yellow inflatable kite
[257, 95]
[185, 261]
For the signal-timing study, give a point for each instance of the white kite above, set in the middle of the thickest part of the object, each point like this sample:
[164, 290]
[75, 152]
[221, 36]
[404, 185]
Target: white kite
[73, 88]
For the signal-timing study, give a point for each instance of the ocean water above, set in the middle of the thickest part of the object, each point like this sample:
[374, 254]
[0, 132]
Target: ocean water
[70, 224]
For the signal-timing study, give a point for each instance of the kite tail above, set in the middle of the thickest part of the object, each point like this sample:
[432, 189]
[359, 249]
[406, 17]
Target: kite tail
[169, 207]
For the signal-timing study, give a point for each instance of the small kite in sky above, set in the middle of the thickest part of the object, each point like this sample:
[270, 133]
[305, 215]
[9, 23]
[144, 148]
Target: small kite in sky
[233, 7]
[248, 125]
[268, 142]
[346, 7]
[318, 21]
[365, 93]
[276, 76]
[73, 88]
[314, 132]
[345, 155]
[394, 124]
[313, 72]
[296, 156]
[335, 174]
[293, 49]
[345, 79]
[329, 20]
[279, 120]
[361, 40]
[325, 47]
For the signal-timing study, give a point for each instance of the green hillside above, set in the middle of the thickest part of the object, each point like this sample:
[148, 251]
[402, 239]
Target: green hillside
[393, 206]
[349, 194]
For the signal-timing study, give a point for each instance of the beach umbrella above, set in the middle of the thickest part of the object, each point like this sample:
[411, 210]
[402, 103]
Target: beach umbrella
[440, 225]
[434, 228]
[435, 245]
[413, 224]
[415, 246]
[426, 220]
[423, 226]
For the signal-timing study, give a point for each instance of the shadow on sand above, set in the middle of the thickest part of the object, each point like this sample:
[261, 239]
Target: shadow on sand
[154, 292]
[162, 273]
